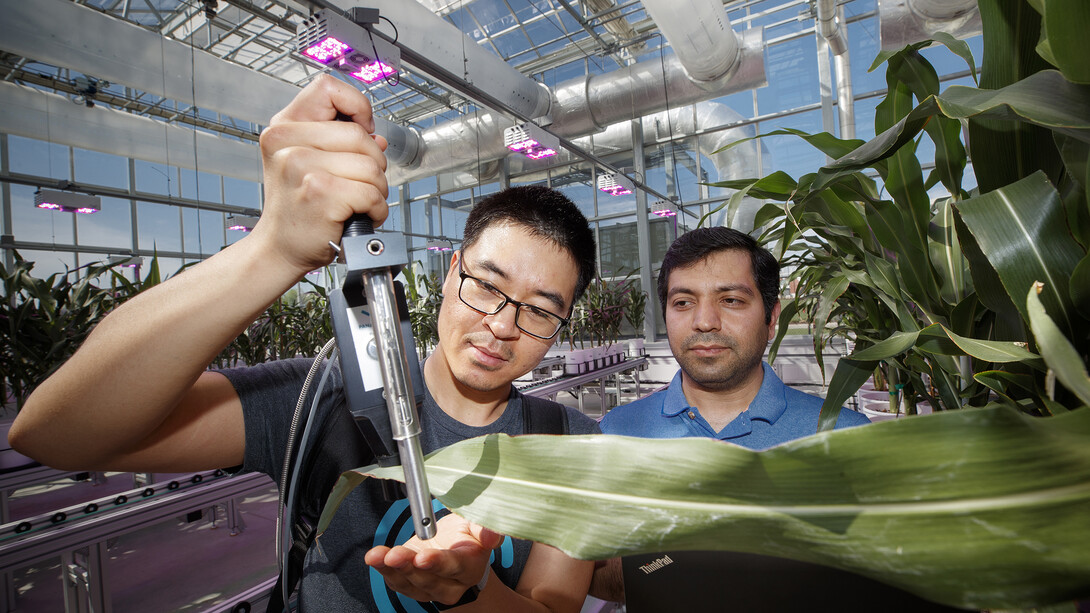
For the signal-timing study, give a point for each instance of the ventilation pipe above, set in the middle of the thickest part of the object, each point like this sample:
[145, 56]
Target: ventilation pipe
[941, 10]
[699, 32]
[701, 119]
[908, 21]
[832, 27]
[582, 106]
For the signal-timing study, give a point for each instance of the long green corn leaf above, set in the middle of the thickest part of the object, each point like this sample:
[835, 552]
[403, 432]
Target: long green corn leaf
[1059, 354]
[990, 511]
[1022, 230]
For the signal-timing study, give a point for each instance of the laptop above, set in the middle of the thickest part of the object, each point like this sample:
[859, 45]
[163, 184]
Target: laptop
[684, 581]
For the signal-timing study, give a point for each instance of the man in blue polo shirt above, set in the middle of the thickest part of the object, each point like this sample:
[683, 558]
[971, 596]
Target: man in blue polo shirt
[719, 292]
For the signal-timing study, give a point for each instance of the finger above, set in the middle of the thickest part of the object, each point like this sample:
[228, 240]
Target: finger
[295, 163]
[345, 197]
[322, 99]
[332, 198]
[422, 586]
[400, 557]
[376, 557]
[324, 136]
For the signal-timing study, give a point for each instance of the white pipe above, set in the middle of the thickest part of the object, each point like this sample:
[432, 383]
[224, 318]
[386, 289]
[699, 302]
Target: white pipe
[830, 23]
[829, 28]
[941, 10]
[699, 32]
[845, 97]
[582, 106]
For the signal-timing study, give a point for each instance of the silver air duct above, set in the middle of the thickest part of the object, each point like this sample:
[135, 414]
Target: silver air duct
[908, 21]
[582, 106]
[699, 32]
[832, 26]
[738, 162]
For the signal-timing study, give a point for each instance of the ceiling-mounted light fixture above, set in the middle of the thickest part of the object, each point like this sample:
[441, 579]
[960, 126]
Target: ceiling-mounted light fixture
[245, 223]
[347, 45]
[530, 140]
[67, 202]
[125, 261]
[664, 208]
[440, 244]
[615, 184]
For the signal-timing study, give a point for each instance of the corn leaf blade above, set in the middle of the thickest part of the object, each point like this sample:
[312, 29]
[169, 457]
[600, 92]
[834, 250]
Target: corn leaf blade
[991, 512]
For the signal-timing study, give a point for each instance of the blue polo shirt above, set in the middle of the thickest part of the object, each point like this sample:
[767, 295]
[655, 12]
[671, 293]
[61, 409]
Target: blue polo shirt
[777, 414]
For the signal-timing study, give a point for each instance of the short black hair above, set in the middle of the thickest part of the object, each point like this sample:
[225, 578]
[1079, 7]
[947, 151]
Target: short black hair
[700, 243]
[544, 212]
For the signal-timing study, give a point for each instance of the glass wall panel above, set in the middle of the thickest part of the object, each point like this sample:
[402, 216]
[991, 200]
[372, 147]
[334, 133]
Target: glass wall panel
[201, 186]
[792, 76]
[742, 102]
[424, 216]
[48, 262]
[204, 231]
[863, 45]
[30, 156]
[393, 219]
[618, 246]
[110, 227]
[155, 178]
[577, 187]
[97, 168]
[159, 226]
[168, 267]
[792, 154]
[674, 169]
[31, 224]
[454, 223]
[864, 117]
[238, 192]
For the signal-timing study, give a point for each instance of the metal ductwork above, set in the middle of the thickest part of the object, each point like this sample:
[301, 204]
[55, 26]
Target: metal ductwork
[909, 21]
[832, 26]
[582, 106]
[941, 10]
[701, 119]
[699, 32]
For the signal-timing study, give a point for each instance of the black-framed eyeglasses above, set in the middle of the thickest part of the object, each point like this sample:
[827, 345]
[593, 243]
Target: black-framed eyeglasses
[483, 297]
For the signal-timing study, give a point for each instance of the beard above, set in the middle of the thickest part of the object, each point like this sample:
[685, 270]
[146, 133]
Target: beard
[728, 369]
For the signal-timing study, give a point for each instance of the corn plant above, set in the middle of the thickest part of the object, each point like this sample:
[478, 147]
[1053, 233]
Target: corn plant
[44, 321]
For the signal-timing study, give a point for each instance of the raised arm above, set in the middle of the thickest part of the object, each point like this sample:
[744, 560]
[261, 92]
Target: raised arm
[136, 395]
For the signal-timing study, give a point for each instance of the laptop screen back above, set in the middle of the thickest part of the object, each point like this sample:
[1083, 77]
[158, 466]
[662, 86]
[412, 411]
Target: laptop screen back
[729, 581]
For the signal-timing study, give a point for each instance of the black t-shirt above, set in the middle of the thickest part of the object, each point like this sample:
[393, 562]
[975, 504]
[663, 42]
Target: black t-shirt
[335, 577]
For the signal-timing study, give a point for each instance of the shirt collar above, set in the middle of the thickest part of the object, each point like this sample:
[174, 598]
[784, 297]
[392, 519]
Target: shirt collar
[768, 406]
[675, 402]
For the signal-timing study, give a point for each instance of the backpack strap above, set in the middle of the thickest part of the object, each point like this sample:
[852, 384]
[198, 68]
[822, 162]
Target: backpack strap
[338, 447]
[541, 416]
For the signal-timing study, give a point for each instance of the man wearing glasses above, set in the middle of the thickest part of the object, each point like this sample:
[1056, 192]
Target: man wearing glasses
[138, 395]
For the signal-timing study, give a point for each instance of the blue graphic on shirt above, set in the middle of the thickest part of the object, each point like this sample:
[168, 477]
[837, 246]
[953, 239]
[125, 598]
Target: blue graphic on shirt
[396, 528]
